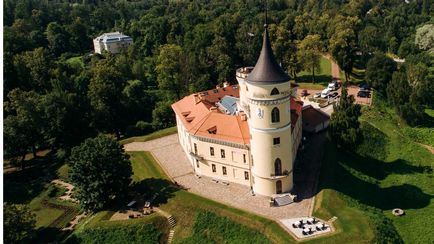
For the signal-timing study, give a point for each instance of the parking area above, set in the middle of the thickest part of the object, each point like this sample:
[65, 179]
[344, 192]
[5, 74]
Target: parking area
[352, 90]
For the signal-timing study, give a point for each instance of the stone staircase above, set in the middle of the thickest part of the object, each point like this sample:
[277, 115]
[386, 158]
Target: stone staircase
[170, 238]
[172, 224]
[172, 221]
[283, 200]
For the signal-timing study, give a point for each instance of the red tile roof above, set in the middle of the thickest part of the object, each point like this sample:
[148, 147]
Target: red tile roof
[200, 116]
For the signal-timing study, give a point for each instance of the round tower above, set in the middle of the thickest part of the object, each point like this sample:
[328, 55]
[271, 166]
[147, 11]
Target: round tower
[267, 94]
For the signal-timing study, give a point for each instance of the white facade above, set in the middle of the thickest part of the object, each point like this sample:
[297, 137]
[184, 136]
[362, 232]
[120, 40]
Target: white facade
[258, 144]
[113, 42]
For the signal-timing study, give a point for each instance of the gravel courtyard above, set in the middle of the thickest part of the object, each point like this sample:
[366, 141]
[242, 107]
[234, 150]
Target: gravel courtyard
[173, 160]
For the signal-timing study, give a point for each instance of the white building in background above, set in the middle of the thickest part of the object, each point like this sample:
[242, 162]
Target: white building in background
[112, 42]
[247, 133]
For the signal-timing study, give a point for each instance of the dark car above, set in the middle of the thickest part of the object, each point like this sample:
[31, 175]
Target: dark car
[364, 87]
[304, 93]
[333, 94]
[363, 94]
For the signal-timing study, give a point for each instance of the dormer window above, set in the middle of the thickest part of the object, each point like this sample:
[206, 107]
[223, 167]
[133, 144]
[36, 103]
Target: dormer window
[185, 114]
[212, 130]
[274, 91]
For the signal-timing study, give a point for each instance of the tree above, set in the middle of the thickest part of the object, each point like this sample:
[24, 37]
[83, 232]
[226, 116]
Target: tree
[379, 70]
[24, 126]
[169, 69]
[105, 95]
[18, 223]
[101, 172]
[33, 69]
[344, 122]
[58, 38]
[425, 38]
[162, 116]
[308, 52]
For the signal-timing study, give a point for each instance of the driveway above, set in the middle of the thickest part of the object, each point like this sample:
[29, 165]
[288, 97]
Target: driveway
[173, 160]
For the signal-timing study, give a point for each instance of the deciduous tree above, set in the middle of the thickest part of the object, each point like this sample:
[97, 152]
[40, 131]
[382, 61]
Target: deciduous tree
[18, 223]
[309, 53]
[379, 72]
[100, 171]
[344, 122]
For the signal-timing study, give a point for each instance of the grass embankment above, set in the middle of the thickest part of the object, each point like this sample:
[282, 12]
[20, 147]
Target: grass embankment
[322, 78]
[154, 135]
[388, 170]
[151, 229]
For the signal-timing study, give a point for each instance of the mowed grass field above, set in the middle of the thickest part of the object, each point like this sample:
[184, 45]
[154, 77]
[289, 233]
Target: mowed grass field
[388, 170]
[322, 78]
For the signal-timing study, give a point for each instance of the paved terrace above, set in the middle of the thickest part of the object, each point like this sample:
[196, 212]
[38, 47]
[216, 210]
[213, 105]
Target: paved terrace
[173, 160]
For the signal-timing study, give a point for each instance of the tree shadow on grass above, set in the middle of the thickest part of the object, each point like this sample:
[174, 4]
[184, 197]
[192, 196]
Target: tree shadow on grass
[154, 188]
[349, 175]
[49, 235]
[23, 185]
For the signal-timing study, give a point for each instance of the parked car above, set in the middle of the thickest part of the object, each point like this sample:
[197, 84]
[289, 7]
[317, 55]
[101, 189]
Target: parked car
[325, 93]
[304, 93]
[333, 94]
[333, 86]
[363, 94]
[317, 95]
[364, 87]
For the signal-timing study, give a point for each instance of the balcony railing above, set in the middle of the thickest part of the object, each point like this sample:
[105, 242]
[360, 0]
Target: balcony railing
[196, 156]
[282, 175]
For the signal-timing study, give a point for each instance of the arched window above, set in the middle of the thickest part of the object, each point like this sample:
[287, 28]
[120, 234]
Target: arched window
[277, 167]
[278, 187]
[275, 115]
[274, 91]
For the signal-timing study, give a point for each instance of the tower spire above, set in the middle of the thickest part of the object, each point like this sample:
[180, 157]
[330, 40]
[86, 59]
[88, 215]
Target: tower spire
[266, 15]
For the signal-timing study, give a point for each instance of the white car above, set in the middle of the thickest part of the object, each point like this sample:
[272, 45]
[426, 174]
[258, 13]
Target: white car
[325, 93]
[333, 86]
[317, 95]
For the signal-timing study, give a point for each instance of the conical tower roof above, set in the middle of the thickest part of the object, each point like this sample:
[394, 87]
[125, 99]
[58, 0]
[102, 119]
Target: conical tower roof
[267, 70]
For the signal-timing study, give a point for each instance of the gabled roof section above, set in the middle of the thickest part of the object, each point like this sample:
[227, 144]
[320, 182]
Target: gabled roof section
[200, 116]
[267, 70]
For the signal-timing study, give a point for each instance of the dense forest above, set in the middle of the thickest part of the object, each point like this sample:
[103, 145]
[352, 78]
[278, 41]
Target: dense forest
[57, 92]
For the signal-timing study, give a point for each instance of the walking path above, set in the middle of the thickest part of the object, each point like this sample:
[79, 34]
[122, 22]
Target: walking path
[68, 194]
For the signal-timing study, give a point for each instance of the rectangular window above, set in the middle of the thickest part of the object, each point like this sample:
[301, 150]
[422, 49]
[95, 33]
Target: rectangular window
[224, 170]
[197, 163]
[251, 158]
[195, 148]
[213, 168]
[211, 151]
[244, 158]
[276, 141]
[222, 152]
[246, 175]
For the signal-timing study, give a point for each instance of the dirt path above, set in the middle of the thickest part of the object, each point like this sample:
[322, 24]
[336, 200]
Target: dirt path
[335, 68]
[68, 193]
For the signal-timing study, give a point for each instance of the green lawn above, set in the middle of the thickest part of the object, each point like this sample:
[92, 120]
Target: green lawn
[387, 171]
[76, 62]
[154, 135]
[145, 166]
[323, 77]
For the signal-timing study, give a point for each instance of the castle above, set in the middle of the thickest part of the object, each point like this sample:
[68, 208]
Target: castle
[247, 133]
